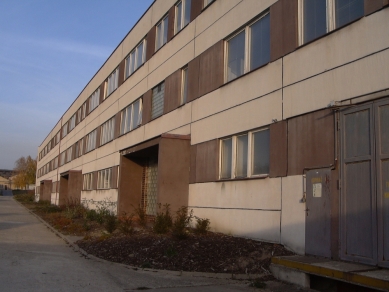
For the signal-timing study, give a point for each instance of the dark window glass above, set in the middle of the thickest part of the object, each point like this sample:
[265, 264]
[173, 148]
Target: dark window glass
[347, 11]
[315, 19]
[260, 42]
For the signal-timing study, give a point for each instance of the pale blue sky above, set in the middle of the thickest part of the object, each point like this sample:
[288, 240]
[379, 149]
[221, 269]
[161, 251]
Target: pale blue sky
[49, 50]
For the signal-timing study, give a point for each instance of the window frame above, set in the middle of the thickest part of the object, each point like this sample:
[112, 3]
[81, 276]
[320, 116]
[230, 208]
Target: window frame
[94, 100]
[153, 96]
[184, 85]
[72, 122]
[90, 141]
[112, 83]
[247, 48]
[249, 158]
[124, 117]
[104, 179]
[87, 183]
[206, 3]
[134, 53]
[164, 30]
[107, 131]
[65, 130]
[184, 6]
[331, 25]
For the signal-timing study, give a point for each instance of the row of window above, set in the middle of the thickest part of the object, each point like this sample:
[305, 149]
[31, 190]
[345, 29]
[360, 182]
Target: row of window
[134, 60]
[52, 143]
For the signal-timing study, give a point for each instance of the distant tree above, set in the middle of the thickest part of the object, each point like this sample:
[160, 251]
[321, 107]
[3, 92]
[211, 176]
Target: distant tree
[25, 167]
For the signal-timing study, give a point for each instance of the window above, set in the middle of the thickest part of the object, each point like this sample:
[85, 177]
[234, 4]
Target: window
[62, 158]
[87, 181]
[69, 153]
[94, 100]
[64, 130]
[83, 115]
[107, 131]
[79, 116]
[55, 163]
[245, 155]
[249, 48]
[54, 187]
[131, 117]
[161, 37]
[182, 14]
[112, 82]
[157, 100]
[322, 16]
[58, 137]
[90, 141]
[184, 86]
[136, 58]
[78, 148]
[72, 122]
[207, 2]
[104, 178]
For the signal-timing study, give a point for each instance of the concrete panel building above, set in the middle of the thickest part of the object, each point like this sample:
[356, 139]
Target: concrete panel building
[270, 118]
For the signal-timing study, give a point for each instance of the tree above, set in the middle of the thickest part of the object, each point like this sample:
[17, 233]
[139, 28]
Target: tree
[25, 169]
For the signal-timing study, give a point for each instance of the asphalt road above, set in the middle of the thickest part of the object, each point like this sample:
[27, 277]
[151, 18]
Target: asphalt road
[33, 258]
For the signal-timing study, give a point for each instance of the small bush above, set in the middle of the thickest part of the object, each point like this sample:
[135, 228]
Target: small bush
[24, 197]
[181, 223]
[141, 215]
[202, 225]
[125, 224]
[163, 220]
[75, 211]
[111, 222]
[91, 215]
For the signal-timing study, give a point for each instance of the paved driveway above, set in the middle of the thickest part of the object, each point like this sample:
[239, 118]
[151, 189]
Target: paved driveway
[33, 258]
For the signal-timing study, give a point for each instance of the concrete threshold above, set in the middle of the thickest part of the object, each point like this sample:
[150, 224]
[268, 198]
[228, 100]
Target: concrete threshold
[353, 273]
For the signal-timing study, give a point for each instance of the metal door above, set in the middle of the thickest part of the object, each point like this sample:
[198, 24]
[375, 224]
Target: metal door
[358, 199]
[382, 162]
[318, 212]
[150, 183]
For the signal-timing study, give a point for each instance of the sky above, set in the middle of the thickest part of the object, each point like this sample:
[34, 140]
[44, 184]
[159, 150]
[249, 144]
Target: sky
[49, 51]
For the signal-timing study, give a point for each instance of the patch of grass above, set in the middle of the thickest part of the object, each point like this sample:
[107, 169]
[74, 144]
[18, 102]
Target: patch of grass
[24, 197]
[181, 223]
[163, 220]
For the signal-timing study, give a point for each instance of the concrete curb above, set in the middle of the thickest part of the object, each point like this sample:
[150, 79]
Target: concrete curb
[76, 248]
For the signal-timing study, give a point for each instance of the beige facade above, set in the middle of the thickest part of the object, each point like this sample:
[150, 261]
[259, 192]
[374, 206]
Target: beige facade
[234, 149]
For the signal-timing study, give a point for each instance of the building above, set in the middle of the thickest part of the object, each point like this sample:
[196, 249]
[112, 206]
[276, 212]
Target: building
[267, 117]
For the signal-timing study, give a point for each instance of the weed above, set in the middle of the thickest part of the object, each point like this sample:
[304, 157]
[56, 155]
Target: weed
[111, 222]
[75, 210]
[125, 224]
[170, 252]
[24, 197]
[181, 222]
[146, 265]
[91, 215]
[163, 220]
[202, 225]
[141, 214]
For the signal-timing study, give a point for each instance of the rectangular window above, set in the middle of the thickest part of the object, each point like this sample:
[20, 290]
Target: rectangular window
[79, 112]
[131, 117]
[157, 101]
[55, 163]
[72, 122]
[136, 58]
[245, 155]
[104, 178]
[80, 147]
[161, 34]
[112, 82]
[184, 86]
[322, 16]
[249, 48]
[87, 181]
[94, 100]
[107, 131]
[64, 130]
[83, 114]
[69, 153]
[182, 14]
[62, 158]
[54, 187]
[91, 141]
[58, 137]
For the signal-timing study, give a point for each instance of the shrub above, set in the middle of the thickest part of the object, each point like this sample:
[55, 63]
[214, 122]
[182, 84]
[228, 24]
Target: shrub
[103, 210]
[91, 215]
[75, 210]
[111, 222]
[141, 214]
[202, 225]
[181, 222]
[163, 220]
[125, 224]
[24, 197]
